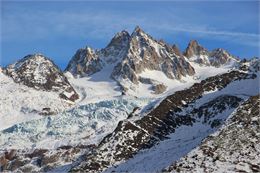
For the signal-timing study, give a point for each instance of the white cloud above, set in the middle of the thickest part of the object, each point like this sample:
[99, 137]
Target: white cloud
[102, 24]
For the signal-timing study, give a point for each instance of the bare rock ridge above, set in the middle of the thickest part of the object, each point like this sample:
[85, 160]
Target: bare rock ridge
[195, 49]
[129, 55]
[196, 53]
[87, 61]
[38, 72]
[145, 53]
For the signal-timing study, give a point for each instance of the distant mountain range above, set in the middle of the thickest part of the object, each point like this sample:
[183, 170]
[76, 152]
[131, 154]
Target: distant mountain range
[137, 105]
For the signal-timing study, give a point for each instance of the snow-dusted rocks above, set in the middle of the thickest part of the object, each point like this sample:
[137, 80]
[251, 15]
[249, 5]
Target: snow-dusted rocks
[184, 108]
[38, 72]
[145, 53]
[170, 102]
[88, 61]
[127, 56]
[85, 61]
[218, 57]
[234, 148]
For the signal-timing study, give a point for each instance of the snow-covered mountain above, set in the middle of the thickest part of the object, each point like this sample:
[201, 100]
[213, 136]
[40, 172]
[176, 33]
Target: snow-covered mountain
[141, 64]
[33, 87]
[173, 128]
[130, 56]
[138, 105]
[41, 73]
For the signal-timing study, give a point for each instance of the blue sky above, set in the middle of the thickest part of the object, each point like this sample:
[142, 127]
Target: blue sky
[58, 28]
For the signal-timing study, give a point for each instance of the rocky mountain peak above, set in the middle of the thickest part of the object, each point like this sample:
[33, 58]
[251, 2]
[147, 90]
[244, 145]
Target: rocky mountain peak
[85, 61]
[195, 49]
[146, 53]
[39, 72]
[176, 50]
[120, 39]
[138, 30]
[139, 33]
[220, 56]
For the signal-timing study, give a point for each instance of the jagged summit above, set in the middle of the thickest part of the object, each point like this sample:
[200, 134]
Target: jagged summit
[195, 49]
[128, 56]
[217, 57]
[88, 61]
[146, 53]
[220, 56]
[85, 61]
[137, 31]
[39, 72]
[131, 55]
[119, 39]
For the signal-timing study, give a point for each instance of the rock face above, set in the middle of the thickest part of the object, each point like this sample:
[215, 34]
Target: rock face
[88, 61]
[85, 61]
[131, 55]
[195, 49]
[219, 57]
[37, 71]
[146, 53]
[235, 148]
[174, 111]
[196, 53]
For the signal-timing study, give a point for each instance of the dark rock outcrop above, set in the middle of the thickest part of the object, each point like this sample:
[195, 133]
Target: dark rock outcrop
[195, 49]
[38, 72]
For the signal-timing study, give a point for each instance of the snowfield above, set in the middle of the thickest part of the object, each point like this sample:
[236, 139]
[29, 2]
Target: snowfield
[19, 103]
[100, 107]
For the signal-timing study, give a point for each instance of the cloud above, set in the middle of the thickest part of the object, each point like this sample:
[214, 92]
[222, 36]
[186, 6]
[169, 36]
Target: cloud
[97, 24]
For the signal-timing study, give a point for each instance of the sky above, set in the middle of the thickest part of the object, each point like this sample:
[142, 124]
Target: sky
[58, 28]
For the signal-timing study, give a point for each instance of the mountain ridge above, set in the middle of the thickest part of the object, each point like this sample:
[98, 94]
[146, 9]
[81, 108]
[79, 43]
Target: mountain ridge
[137, 105]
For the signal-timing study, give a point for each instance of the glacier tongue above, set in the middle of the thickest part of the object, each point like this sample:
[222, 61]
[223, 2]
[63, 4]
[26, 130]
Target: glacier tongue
[85, 124]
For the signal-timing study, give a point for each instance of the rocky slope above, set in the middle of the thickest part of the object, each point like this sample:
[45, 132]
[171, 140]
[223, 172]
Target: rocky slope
[177, 110]
[234, 148]
[156, 139]
[40, 73]
[139, 105]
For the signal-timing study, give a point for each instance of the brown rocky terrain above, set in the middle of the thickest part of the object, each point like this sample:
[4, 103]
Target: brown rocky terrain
[40, 73]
